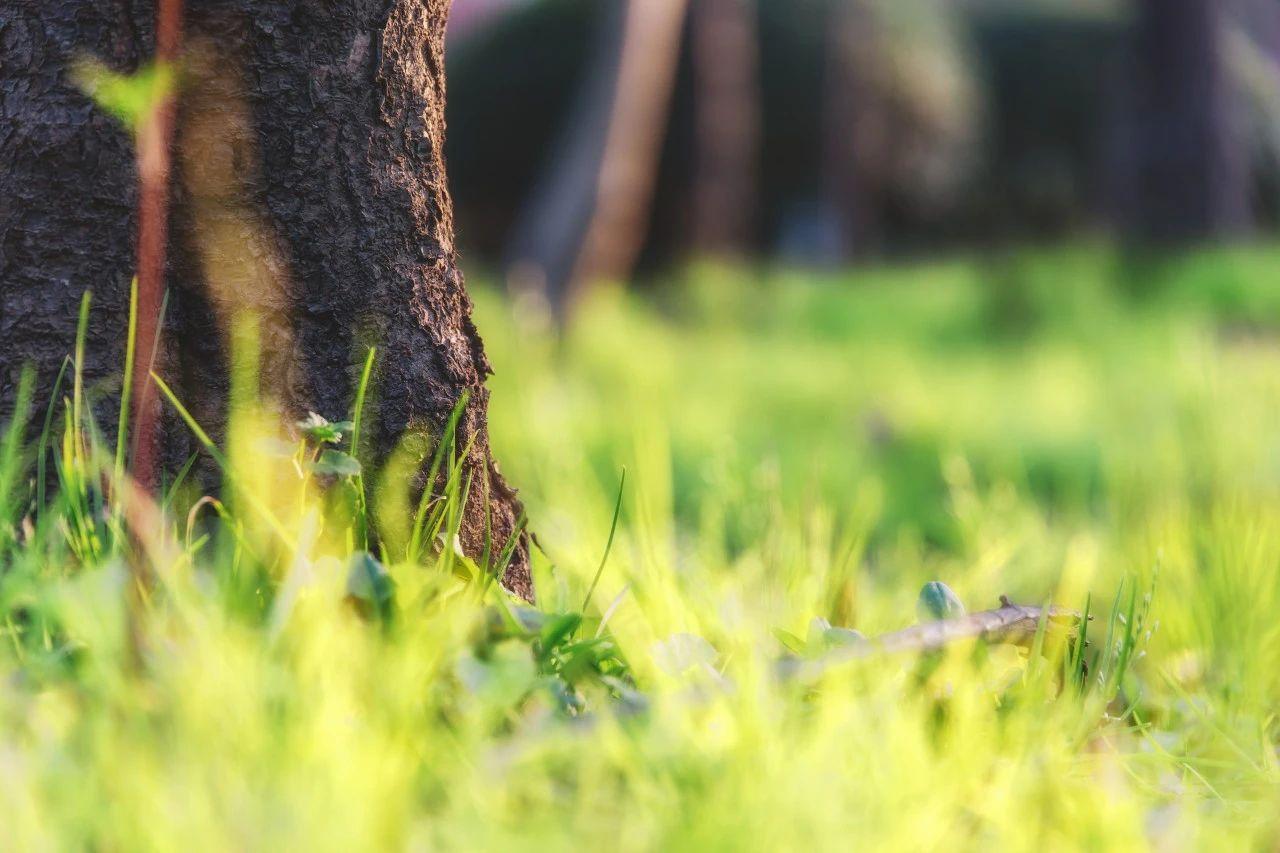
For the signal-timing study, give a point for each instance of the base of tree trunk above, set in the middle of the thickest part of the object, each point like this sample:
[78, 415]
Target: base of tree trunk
[309, 189]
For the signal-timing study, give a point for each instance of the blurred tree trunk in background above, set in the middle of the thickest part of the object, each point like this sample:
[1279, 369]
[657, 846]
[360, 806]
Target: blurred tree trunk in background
[726, 69]
[903, 117]
[1190, 159]
[850, 223]
[309, 187]
[587, 217]
[549, 231]
[1255, 53]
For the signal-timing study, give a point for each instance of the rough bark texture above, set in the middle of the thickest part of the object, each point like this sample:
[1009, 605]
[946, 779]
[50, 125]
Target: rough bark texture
[1191, 171]
[726, 68]
[309, 185]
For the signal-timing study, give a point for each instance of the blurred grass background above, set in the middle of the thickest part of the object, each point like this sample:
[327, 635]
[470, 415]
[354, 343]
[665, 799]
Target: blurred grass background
[797, 446]
[1034, 381]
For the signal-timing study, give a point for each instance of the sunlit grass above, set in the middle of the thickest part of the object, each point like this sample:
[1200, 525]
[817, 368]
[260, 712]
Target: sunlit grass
[794, 449]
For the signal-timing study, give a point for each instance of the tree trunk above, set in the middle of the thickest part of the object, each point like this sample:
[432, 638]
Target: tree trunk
[848, 209]
[548, 233]
[586, 220]
[726, 62]
[309, 186]
[1191, 169]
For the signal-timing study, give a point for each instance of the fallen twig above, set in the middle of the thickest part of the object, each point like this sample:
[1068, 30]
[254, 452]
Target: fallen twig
[1009, 624]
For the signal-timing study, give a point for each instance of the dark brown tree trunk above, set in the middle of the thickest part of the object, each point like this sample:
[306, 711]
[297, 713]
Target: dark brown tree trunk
[726, 62]
[309, 186]
[1191, 169]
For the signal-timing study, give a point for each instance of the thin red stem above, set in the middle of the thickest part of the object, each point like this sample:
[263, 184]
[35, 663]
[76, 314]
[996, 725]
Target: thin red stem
[155, 140]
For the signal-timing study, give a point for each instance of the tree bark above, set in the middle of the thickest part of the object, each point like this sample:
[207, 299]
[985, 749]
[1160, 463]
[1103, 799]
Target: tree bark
[726, 71]
[309, 186]
[586, 220]
[1191, 169]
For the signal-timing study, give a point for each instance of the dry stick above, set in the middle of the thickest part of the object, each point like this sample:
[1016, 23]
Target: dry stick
[1010, 624]
[155, 138]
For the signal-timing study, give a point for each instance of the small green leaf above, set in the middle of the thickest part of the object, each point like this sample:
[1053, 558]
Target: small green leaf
[558, 628]
[128, 97]
[938, 601]
[822, 638]
[337, 463]
[322, 431]
[818, 627]
[790, 641]
[580, 660]
[369, 582]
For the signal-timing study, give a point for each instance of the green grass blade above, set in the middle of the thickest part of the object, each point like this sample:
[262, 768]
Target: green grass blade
[43, 444]
[608, 546]
[212, 449]
[126, 389]
[11, 467]
[357, 424]
[442, 448]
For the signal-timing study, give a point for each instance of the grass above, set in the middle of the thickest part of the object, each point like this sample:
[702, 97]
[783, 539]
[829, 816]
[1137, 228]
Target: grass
[1062, 426]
